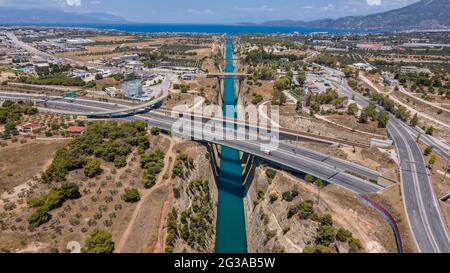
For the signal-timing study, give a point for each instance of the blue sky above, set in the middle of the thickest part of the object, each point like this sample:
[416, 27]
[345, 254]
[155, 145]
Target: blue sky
[214, 11]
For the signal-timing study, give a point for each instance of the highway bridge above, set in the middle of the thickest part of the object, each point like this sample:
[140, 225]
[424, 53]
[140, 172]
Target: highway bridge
[333, 170]
[228, 75]
[428, 227]
[99, 112]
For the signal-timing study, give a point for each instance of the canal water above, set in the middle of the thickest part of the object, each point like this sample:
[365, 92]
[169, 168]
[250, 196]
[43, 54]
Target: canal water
[230, 226]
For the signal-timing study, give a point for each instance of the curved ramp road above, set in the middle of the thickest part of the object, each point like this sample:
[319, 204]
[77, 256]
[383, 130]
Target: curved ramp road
[300, 159]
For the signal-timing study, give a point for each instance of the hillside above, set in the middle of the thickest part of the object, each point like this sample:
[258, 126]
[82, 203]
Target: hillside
[33, 16]
[425, 14]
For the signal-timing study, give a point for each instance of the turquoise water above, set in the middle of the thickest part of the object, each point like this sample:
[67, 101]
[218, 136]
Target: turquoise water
[230, 225]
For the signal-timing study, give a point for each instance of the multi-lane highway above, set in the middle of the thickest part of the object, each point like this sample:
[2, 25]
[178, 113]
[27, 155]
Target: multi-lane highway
[333, 170]
[428, 227]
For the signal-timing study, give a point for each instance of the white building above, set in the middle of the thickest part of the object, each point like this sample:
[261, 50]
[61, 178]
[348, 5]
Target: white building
[414, 70]
[363, 66]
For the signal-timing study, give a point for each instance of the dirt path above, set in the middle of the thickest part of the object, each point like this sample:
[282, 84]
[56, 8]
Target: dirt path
[145, 193]
[158, 246]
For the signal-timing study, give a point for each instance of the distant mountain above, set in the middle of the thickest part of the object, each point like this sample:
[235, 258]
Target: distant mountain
[54, 16]
[425, 14]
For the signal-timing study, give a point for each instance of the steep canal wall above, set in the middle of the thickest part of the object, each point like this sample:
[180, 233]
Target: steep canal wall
[230, 226]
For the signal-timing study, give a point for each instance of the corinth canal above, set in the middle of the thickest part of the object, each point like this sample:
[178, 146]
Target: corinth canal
[230, 226]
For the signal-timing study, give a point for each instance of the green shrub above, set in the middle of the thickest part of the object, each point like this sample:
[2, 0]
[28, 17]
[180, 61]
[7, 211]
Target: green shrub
[99, 241]
[155, 131]
[325, 235]
[343, 235]
[39, 217]
[271, 173]
[92, 168]
[428, 151]
[120, 161]
[305, 209]
[273, 197]
[290, 195]
[131, 195]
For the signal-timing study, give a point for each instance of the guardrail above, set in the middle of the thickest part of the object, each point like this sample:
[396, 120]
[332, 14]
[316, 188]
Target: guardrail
[388, 217]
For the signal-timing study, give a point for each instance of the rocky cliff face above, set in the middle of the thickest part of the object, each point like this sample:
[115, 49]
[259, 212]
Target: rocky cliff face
[195, 200]
[283, 215]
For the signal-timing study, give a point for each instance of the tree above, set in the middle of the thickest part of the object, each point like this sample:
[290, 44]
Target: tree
[343, 235]
[273, 197]
[363, 118]
[54, 199]
[414, 120]
[92, 168]
[428, 151]
[39, 217]
[131, 195]
[309, 249]
[325, 235]
[383, 119]
[309, 178]
[155, 131]
[100, 241]
[98, 77]
[430, 131]
[70, 191]
[352, 109]
[289, 195]
[326, 220]
[271, 173]
[10, 128]
[355, 245]
[432, 161]
[120, 161]
[320, 185]
[257, 98]
[305, 209]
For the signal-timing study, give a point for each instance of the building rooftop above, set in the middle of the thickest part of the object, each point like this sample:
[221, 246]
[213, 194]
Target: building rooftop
[75, 129]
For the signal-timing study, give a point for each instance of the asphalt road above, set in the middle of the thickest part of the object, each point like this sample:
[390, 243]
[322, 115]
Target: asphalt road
[330, 169]
[428, 227]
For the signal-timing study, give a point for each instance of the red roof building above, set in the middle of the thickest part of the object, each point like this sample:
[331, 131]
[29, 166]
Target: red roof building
[27, 127]
[76, 130]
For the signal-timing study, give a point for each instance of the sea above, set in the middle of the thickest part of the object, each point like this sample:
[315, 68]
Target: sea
[199, 28]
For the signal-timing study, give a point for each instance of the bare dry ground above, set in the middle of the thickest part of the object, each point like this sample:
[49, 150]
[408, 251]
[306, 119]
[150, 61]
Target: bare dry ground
[21, 162]
[352, 122]
[290, 119]
[111, 38]
[100, 206]
[144, 232]
[141, 232]
[347, 212]
[392, 201]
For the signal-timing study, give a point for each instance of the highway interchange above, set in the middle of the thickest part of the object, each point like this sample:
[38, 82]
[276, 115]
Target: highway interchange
[424, 217]
[290, 156]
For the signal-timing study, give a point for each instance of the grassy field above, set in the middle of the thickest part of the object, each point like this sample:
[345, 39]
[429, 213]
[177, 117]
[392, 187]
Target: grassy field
[19, 163]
